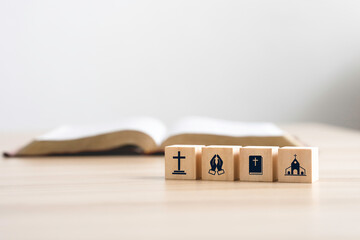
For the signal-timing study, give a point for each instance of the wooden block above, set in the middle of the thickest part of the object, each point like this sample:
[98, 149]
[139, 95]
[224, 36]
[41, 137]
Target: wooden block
[220, 163]
[258, 164]
[298, 164]
[183, 161]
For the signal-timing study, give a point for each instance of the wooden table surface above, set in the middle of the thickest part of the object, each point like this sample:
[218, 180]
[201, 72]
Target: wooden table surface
[127, 197]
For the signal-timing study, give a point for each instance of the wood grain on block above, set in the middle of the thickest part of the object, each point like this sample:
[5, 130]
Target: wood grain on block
[183, 161]
[258, 164]
[298, 164]
[220, 163]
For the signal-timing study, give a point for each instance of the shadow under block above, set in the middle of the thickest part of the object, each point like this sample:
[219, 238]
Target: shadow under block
[220, 163]
[258, 164]
[298, 164]
[183, 161]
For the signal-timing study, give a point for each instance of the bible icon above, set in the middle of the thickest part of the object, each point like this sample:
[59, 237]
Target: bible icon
[255, 165]
[216, 164]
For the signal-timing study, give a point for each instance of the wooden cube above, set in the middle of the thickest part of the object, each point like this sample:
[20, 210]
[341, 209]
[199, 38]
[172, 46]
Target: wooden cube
[183, 161]
[298, 164]
[258, 164]
[220, 163]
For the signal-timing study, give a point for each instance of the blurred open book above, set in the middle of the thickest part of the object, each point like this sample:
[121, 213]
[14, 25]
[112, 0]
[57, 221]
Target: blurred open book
[151, 136]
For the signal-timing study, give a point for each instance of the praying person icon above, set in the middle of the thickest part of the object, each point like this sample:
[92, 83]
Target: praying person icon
[216, 164]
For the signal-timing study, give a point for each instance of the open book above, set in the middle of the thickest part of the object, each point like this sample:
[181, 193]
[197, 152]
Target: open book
[151, 136]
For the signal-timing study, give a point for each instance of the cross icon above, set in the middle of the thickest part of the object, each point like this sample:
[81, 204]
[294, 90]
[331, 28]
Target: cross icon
[255, 161]
[179, 157]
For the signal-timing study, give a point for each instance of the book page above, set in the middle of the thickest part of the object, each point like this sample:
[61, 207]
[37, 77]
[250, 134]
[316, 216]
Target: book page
[153, 127]
[202, 125]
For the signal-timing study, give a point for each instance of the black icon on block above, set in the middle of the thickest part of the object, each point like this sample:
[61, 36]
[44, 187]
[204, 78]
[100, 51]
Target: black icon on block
[216, 164]
[178, 171]
[295, 169]
[255, 165]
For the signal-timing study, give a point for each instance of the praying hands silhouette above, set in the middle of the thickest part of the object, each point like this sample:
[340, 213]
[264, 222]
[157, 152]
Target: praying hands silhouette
[216, 164]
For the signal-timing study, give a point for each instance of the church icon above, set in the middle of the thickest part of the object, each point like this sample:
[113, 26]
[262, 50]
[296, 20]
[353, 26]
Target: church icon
[295, 169]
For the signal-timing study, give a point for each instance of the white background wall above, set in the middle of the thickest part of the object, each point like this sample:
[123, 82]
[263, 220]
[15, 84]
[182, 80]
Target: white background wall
[97, 61]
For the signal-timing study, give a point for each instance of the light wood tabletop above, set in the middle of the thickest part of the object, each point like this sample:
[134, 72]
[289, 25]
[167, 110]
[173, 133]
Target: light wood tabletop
[127, 197]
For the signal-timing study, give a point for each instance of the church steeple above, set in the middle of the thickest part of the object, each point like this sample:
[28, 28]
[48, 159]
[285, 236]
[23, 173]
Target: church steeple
[295, 160]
